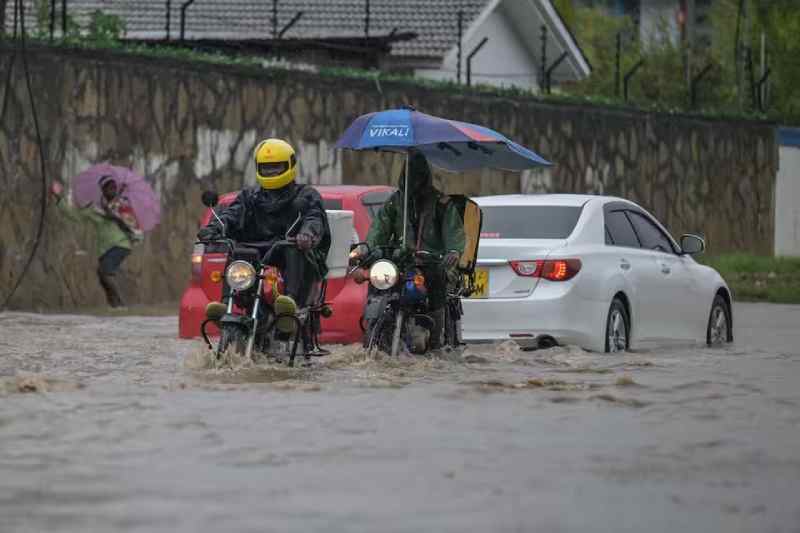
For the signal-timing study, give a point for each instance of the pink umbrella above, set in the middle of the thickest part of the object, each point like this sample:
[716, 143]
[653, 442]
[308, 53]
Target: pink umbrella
[145, 203]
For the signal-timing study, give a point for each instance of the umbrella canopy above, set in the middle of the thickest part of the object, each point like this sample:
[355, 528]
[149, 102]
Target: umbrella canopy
[145, 203]
[448, 144]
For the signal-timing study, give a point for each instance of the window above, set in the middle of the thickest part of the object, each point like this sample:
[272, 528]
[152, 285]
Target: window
[529, 222]
[620, 230]
[609, 240]
[650, 235]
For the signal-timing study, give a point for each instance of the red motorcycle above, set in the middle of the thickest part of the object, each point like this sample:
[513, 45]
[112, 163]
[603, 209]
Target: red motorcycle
[252, 316]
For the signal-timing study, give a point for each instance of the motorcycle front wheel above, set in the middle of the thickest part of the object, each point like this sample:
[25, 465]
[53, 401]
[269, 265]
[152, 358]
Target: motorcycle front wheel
[231, 337]
[381, 333]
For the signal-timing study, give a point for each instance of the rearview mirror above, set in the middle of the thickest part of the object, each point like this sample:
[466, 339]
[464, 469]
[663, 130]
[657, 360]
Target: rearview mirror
[692, 244]
[210, 198]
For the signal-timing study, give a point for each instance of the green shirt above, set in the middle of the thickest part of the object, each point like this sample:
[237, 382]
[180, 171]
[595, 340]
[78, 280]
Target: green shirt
[442, 228]
[109, 234]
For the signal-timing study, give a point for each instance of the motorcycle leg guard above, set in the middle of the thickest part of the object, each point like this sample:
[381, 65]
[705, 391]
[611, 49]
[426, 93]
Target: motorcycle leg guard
[285, 305]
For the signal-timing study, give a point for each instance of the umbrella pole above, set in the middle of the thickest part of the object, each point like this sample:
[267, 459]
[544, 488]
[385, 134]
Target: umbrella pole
[405, 204]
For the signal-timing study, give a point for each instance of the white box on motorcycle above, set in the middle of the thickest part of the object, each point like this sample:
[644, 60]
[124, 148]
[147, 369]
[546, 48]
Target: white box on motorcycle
[342, 231]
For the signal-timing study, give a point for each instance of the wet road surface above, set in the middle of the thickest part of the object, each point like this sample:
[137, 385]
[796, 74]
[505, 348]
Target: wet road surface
[112, 424]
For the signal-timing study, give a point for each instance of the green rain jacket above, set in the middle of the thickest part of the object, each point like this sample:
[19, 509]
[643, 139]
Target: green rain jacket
[442, 227]
[109, 233]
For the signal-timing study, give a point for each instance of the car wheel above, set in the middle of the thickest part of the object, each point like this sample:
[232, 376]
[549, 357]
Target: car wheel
[719, 323]
[617, 328]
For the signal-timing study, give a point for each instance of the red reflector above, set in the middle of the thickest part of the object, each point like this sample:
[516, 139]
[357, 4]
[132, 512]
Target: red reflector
[552, 269]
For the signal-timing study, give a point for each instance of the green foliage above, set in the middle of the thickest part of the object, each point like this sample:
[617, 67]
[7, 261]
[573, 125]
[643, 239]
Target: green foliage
[779, 21]
[104, 28]
[759, 278]
[663, 82]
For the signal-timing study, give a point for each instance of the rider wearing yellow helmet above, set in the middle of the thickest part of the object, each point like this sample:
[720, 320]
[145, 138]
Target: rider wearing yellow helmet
[276, 164]
[278, 207]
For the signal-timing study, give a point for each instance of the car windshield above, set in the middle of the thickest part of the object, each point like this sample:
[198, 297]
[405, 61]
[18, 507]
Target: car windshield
[529, 221]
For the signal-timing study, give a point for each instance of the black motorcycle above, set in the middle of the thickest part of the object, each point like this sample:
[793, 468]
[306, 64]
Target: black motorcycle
[397, 314]
[249, 318]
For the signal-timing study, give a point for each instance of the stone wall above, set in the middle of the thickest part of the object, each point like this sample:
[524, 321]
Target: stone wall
[189, 127]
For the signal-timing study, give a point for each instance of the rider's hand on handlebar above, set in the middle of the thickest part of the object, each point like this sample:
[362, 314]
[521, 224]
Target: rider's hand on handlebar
[357, 254]
[451, 259]
[208, 233]
[305, 241]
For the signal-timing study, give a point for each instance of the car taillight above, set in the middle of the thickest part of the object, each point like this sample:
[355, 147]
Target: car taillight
[197, 261]
[551, 269]
[531, 269]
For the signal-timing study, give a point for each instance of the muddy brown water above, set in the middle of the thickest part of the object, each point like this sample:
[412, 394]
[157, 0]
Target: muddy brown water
[112, 424]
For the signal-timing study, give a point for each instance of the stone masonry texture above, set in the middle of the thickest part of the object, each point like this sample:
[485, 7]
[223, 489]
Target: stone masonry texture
[189, 126]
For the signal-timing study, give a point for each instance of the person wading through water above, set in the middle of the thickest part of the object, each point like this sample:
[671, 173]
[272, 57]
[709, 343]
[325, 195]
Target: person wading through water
[116, 229]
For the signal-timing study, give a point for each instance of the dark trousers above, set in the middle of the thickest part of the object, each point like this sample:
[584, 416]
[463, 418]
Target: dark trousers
[299, 274]
[107, 268]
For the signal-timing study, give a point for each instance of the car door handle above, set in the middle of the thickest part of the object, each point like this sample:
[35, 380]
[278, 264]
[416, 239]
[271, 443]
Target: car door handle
[665, 269]
[624, 264]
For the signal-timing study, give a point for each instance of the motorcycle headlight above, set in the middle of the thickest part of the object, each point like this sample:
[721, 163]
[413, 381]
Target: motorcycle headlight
[383, 275]
[240, 275]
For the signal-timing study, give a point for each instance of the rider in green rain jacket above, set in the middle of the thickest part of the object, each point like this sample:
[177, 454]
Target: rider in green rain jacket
[434, 225]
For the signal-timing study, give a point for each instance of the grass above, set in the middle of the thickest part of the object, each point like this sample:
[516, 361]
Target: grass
[754, 278]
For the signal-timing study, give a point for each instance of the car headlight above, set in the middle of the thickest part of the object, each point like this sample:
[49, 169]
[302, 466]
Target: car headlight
[383, 275]
[240, 275]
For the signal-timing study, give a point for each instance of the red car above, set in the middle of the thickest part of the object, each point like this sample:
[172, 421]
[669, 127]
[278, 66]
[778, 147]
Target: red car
[347, 297]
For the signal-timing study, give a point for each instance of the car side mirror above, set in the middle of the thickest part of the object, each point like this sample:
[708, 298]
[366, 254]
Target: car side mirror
[692, 244]
[210, 198]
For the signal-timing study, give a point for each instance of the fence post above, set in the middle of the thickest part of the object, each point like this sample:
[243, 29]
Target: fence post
[63, 19]
[617, 64]
[290, 24]
[184, 7]
[552, 67]
[693, 84]
[630, 74]
[274, 19]
[543, 64]
[761, 92]
[52, 19]
[460, 44]
[469, 59]
[169, 11]
[366, 19]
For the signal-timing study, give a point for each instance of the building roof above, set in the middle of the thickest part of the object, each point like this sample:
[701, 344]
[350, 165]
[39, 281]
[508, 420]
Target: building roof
[434, 21]
[426, 29]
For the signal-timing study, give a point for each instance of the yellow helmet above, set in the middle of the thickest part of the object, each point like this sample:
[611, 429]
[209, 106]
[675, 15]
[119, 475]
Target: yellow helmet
[276, 164]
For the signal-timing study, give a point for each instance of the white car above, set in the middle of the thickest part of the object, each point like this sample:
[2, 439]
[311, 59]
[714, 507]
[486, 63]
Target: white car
[594, 271]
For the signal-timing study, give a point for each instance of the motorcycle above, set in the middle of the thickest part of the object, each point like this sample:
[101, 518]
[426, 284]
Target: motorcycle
[397, 315]
[248, 319]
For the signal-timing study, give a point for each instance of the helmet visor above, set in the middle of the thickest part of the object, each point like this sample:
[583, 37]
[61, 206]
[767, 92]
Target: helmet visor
[269, 170]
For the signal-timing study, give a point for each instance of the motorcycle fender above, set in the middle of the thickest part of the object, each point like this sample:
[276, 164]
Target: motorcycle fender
[375, 306]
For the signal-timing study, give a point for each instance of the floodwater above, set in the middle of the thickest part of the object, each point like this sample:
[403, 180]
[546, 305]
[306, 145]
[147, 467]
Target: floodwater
[112, 424]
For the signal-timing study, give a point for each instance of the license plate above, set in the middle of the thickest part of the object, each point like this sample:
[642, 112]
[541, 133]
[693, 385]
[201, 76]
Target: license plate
[481, 284]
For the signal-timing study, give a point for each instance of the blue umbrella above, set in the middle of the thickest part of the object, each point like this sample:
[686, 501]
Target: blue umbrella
[447, 144]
